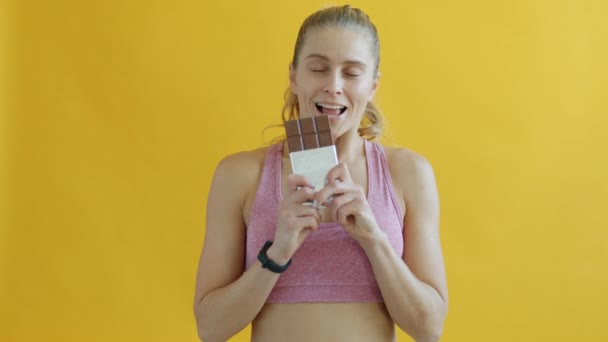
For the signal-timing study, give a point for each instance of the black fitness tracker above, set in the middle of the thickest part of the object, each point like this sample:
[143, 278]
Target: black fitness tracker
[269, 264]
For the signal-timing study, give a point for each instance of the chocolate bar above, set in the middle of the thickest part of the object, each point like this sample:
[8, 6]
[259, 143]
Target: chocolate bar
[308, 133]
[311, 148]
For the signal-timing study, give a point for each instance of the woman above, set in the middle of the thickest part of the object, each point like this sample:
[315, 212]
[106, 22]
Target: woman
[365, 256]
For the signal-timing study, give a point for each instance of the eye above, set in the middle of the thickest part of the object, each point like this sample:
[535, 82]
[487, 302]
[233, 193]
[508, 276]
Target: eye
[353, 73]
[316, 67]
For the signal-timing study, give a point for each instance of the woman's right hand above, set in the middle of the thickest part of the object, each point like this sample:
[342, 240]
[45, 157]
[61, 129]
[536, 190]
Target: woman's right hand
[295, 220]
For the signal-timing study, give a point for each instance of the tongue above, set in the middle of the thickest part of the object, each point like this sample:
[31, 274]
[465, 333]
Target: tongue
[330, 111]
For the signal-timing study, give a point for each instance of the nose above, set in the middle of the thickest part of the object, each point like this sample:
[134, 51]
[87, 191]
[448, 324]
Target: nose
[334, 84]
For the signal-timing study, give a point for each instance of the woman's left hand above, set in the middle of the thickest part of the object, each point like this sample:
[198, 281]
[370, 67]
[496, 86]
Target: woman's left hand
[348, 205]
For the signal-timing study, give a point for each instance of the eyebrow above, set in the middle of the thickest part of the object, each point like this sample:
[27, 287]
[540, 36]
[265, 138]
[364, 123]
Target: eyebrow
[325, 58]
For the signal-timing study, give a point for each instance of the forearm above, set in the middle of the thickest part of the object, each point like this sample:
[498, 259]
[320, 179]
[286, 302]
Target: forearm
[225, 311]
[415, 306]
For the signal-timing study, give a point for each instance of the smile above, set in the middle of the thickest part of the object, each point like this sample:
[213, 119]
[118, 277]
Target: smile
[330, 109]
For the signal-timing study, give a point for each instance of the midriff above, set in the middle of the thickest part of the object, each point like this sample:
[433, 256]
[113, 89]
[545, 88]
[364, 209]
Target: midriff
[321, 322]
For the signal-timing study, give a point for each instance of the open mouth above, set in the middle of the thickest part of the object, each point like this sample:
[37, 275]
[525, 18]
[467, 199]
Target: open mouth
[330, 109]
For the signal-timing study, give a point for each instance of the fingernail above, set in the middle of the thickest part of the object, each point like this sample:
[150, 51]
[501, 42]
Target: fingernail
[315, 204]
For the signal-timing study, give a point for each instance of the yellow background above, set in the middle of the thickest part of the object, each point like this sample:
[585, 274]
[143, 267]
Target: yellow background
[115, 113]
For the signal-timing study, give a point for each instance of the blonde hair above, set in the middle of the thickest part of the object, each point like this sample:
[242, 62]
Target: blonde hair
[349, 18]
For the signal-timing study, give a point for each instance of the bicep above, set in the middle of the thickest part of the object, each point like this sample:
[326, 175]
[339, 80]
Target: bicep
[422, 246]
[222, 258]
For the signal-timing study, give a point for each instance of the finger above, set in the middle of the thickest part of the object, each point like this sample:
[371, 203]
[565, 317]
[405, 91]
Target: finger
[337, 188]
[313, 213]
[294, 182]
[337, 202]
[331, 189]
[342, 200]
[300, 210]
[346, 214]
[339, 172]
[307, 222]
[301, 195]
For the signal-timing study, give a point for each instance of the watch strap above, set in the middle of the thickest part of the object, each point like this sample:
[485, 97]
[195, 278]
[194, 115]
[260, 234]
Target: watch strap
[269, 264]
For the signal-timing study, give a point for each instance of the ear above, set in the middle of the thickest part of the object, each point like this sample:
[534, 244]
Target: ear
[292, 79]
[374, 87]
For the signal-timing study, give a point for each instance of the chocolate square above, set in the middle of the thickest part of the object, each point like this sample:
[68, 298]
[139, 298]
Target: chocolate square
[308, 133]
[292, 128]
[310, 141]
[322, 123]
[307, 125]
[325, 139]
[295, 143]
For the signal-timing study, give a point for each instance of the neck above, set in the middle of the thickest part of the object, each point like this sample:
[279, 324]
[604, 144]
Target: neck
[350, 147]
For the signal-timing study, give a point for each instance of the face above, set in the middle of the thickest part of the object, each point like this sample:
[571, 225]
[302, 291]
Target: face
[335, 77]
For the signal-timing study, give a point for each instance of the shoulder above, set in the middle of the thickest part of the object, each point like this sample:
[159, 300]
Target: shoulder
[240, 171]
[411, 172]
[401, 154]
[406, 160]
[240, 161]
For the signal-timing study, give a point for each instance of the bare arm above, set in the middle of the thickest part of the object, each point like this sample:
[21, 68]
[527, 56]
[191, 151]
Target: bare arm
[413, 285]
[226, 299]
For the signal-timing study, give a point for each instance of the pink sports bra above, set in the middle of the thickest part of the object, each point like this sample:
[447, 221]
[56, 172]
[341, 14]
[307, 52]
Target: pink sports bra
[329, 266]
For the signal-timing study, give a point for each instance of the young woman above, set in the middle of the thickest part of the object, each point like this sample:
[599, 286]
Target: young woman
[365, 256]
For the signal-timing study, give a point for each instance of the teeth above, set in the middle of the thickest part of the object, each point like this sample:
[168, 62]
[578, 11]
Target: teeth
[330, 106]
